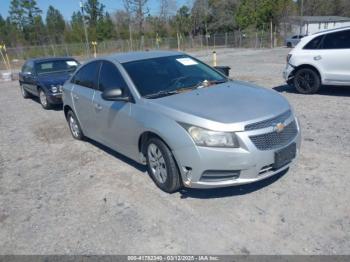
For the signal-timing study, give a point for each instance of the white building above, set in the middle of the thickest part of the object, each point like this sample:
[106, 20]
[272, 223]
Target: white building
[313, 24]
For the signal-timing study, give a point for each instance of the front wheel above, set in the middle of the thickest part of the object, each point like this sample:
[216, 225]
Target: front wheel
[162, 166]
[307, 81]
[43, 100]
[74, 126]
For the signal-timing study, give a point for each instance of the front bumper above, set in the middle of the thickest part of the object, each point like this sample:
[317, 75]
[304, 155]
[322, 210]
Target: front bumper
[250, 163]
[288, 73]
[55, 99]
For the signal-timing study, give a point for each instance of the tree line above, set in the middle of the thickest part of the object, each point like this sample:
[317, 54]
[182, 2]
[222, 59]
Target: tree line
[25, 25]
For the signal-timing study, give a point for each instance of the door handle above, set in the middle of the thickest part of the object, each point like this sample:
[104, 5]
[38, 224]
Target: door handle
[75, 97]
[316, 58]
[98, 107]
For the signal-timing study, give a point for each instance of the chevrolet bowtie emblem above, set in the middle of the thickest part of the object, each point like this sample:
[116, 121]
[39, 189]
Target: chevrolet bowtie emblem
[279, 127]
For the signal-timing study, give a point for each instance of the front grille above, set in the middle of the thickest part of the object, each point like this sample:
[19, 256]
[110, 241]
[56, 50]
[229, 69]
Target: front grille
[269, 122]
[275, 140]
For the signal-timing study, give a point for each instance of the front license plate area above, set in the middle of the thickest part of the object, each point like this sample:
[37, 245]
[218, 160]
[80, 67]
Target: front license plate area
[285, 155]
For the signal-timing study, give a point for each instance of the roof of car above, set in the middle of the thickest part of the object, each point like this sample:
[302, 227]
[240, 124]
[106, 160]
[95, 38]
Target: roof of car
[45, 59]
[332, 30]
[135, 56]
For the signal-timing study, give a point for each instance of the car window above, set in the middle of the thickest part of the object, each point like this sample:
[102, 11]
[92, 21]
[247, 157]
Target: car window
[110, 77]
[87, 75]
[169, 73]
[28, 67]
[294, 37]
[314, 43]
[338, 40]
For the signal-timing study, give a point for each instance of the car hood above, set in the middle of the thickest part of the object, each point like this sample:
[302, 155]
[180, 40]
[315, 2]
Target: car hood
[227, 103]
[54, 79]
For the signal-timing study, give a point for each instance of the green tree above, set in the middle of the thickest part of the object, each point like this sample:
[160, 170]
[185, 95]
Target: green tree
[55, 24]
[221, 15]
[105, 28]
[94, 13]
[25, 14]
[31, 11]
[75, 31]
[17, 13]
[183, 20]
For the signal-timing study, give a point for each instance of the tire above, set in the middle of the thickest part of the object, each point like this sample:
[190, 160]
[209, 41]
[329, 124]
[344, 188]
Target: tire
[289, 45]
[24, 92]
[43, 100]
[74, 126]
[307, 81]
[160, 159]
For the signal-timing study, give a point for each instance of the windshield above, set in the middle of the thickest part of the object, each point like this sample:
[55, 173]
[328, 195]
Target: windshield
[170, 73]
[56, 66]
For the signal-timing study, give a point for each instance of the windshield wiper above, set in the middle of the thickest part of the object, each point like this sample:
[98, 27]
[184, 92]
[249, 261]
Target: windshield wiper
[179, 90]
[161, 93]
[206, 83]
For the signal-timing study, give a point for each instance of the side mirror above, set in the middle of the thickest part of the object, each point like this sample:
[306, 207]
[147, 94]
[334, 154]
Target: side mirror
[115, 94]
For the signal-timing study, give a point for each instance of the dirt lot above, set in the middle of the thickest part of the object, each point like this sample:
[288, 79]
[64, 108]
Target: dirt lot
[61, 196]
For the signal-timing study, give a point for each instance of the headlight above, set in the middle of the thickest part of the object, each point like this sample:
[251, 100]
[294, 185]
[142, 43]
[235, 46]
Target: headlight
[204, 137]
[54, 89]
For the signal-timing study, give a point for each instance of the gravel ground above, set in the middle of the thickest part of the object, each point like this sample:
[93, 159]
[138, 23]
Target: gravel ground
[61, 196]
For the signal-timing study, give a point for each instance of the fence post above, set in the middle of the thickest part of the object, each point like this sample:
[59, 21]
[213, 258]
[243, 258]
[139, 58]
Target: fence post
[225, 40]
[271, 37]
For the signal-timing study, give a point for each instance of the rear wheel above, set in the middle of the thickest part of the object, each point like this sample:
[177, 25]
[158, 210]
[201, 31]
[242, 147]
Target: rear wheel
[162, 166]
[43, 100]
[24, 92]
[74, 126]
[307, 81]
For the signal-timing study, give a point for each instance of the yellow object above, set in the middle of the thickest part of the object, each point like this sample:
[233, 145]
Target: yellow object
[94, 43]
[214, 58]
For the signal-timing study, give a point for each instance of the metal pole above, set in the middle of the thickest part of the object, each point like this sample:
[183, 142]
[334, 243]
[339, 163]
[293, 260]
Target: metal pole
[301, 15]
[85, 31]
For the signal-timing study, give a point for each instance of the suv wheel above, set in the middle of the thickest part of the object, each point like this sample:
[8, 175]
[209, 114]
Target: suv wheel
[24, 92]
[43, 100]
[289, 45]
[74, 126]
[307, 81]
[162, 166]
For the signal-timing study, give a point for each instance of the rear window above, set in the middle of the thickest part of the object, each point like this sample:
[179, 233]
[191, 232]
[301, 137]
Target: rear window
[314, 43]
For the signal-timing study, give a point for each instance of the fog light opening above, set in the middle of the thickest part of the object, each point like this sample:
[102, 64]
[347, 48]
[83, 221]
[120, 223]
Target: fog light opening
[188, 172]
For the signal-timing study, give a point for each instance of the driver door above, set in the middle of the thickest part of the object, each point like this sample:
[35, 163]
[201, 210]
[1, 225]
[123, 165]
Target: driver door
[113, 122]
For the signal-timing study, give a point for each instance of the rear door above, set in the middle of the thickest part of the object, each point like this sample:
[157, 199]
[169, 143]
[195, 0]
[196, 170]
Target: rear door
[334, 57]
[85, 83]
[114, 126]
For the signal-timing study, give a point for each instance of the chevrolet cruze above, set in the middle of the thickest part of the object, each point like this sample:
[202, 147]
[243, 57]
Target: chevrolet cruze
[191, 125]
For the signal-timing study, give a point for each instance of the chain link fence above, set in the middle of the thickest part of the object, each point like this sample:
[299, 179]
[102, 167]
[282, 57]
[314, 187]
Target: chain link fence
[234, 39]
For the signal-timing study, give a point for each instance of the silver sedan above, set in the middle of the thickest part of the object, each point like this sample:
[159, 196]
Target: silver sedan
[190, 124]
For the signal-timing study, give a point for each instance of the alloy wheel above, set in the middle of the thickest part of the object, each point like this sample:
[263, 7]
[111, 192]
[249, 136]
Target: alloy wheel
[73, 125]
[306, 81]
[157, 163]
[43, 99]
